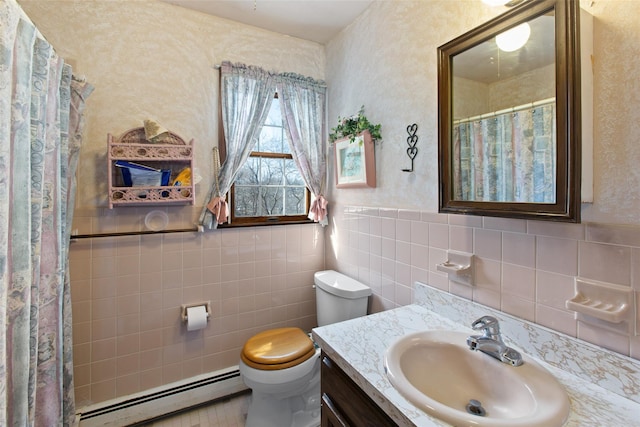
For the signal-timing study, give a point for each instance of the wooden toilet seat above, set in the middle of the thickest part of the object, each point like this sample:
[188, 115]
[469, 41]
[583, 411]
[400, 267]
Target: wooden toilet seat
[277, 349]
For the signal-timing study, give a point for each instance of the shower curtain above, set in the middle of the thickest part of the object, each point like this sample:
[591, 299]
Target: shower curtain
[41, 109]
[510, 157]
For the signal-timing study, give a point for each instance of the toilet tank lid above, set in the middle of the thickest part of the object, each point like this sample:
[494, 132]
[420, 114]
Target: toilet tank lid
[340, 285]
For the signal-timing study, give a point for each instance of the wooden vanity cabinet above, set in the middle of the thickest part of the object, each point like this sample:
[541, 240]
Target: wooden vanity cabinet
[344, 404]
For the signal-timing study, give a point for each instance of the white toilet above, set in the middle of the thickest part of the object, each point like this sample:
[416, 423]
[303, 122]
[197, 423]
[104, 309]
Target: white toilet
[282, 366]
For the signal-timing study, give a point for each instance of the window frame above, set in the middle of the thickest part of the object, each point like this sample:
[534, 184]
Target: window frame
[268, 220]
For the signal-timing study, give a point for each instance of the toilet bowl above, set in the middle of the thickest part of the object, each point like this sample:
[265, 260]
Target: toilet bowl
[282, 366]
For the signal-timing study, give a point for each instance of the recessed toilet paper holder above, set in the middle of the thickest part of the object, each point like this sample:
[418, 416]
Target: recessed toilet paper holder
[206, 304]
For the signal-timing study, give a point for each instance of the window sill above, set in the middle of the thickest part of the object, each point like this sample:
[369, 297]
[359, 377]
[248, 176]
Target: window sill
[265, 223]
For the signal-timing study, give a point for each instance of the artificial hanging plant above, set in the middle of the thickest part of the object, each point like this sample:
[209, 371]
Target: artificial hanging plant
[351, 127]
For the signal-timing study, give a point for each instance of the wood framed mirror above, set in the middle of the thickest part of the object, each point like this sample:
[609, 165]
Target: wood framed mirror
[509, 120]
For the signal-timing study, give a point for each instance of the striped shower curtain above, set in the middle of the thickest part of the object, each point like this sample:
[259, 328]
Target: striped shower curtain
[41, 107]
[507, 158]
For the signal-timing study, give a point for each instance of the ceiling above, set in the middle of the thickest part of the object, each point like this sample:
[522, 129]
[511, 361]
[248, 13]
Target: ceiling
[314, 20]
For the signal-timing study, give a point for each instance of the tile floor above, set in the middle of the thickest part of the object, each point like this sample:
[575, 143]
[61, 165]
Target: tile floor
[224, 413]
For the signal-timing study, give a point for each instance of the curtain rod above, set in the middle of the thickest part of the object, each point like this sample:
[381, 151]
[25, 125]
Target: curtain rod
[507, 110]
[198, 229]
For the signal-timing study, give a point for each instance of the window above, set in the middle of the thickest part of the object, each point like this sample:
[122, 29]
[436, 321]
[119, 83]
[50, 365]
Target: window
[269, 187]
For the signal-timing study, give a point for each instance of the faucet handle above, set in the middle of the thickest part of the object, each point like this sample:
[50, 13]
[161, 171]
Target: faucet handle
[489, 324]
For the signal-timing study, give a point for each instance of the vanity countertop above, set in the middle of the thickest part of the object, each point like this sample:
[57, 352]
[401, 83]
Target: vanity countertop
[596, 380]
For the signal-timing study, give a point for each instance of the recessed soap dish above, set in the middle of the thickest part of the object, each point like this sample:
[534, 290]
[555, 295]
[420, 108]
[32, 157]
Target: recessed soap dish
[604, 301]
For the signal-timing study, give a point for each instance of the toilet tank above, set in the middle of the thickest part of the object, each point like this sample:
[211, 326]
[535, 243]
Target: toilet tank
[339, 297]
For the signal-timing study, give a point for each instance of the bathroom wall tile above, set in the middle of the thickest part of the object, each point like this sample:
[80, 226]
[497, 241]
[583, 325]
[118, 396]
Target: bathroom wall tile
[104, 247]
[128, 384]
[128, 246]
[127, 344]
[103, 328]
[403, 274]
[192, 259]
[409, 214]
[81, 311]
[104, 287]
[362, 224]
[439, 236]
[388, 248]
[436, 256]
[558, 320]
[403, 230]
[82, 353]
[403, 252]
[465, 220]
[505, 224]
[635, 271]
[519, 249]
[151, 340]
[518, 307]
[487, 244]
[103, 267]
[81, 332]
[606, 263]
[461, 239]
[103, 349]
[128, 285]
[229, 237]
[556, 229]
[151, 378]
[420, 233]
[419, 275]
[388, 228]
[438, 280]
[519, 281]
[103, 308]
[105, 390]
[388, 212]
[172, 242]
[419, 256]
[375, 226]
[171, 261]
[172, 372]
[463, 291]
[151, 282]
[402, 294]
[557, 255]
[613, 233]
[128, 324]
[128, 364]
[487, 296]
[192, 294]
[81, 375]
[80, 269]
[604, 338]
[434, 217]
[488, 274]
[171, 279]
[553, 290]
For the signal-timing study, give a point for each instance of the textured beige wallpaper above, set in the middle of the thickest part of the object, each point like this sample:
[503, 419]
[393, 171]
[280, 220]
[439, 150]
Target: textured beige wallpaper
[387, 61]
[149, 59]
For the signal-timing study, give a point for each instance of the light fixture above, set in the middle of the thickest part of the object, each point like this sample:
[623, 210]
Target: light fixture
[514, 38]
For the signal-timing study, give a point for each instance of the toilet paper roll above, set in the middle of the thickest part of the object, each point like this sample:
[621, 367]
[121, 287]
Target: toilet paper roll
[196, 318]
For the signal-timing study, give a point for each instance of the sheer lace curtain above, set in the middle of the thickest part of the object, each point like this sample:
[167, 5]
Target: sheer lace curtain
[302, 101]
[41, 107]
[247, 93]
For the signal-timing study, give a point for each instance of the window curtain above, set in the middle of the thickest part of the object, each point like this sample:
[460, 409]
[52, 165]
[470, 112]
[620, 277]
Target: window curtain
[510, 157]
[246, 94]
[41, 108]
[302, 102]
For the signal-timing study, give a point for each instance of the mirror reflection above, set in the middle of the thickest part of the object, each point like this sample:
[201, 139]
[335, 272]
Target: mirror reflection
[503, 132]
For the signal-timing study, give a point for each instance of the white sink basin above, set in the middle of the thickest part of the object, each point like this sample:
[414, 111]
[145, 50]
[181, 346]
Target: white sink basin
[436, 372]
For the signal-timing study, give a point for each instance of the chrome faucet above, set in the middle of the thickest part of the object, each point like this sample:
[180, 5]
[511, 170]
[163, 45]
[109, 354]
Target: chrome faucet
[490, 342]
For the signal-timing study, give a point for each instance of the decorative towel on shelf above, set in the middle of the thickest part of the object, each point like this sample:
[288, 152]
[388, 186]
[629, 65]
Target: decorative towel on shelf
[154, 132]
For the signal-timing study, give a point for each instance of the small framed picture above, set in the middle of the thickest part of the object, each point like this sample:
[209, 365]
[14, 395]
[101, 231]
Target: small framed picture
[355, 162]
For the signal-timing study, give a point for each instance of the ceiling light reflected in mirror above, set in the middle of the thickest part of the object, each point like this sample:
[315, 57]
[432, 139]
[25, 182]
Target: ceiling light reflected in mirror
[513, 39]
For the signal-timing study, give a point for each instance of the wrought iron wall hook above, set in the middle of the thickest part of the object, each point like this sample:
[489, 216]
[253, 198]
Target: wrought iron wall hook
[412, 140]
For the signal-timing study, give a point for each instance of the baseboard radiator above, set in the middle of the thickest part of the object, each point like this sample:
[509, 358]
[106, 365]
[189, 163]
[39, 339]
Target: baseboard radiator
[164, 400]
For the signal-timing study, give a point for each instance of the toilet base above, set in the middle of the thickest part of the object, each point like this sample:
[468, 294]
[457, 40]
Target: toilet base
[297, 411]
